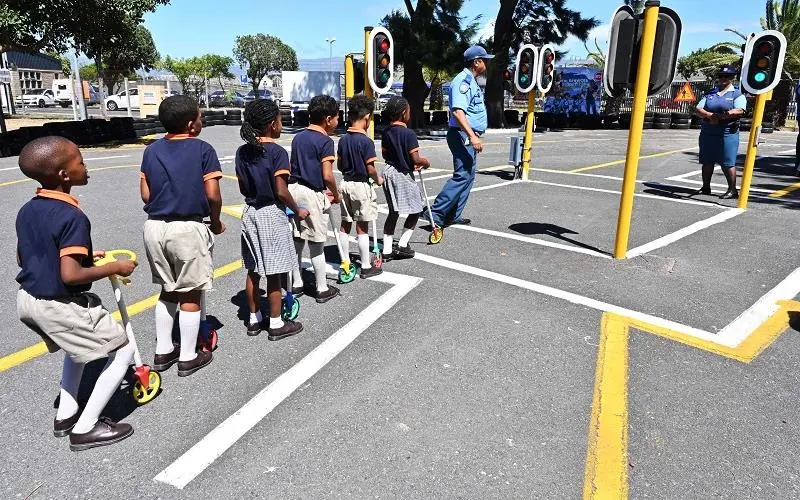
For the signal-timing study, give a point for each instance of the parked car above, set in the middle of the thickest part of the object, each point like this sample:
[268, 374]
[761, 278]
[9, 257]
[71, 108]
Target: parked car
[36, 97]
[169, 93]
[62, 88]
[299, 106]
[221, 98]
[120, 100]
[262, 94]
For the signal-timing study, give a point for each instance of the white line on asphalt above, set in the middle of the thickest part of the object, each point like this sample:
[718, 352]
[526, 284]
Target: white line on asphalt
[8, 168]
[107, 157]
[717, 184]
[730, 336]
[221, 438]
[639, 195]
[684, 176]
[684, 232]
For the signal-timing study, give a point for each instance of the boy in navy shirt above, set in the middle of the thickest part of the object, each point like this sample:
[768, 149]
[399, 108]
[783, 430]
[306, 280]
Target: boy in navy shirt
[54, 252]
[180, 186]
[311, 173]
[356, 161]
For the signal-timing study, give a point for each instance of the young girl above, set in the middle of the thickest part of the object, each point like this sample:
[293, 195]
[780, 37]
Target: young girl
[262, 167]
[400, 150]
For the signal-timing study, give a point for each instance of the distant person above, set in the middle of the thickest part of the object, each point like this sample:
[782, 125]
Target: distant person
[468, 122]
[312, 160]
[591, 103]
[356, 160]
[400, 149]
[55, 256]
[180, 187]
[720, 110]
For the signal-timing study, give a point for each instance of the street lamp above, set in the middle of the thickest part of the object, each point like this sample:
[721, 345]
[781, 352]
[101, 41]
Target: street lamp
[330, 52]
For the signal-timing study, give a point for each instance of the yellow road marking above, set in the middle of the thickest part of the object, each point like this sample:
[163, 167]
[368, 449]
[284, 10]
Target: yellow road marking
[621, 162]
[785, 191]
[606, 474]
[98, 169]
[23, 355]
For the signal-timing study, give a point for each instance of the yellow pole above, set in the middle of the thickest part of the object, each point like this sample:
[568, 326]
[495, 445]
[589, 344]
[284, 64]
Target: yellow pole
[349, 81]
[367, 89]
[528, 140]
[637, 123]
[752, 146]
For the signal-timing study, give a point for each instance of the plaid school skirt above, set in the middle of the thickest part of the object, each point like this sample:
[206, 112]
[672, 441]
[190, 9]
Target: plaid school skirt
[402, 192]
[267, 246]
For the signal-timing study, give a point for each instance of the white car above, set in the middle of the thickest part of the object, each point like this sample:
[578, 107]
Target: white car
[120, 100]
[37, 97]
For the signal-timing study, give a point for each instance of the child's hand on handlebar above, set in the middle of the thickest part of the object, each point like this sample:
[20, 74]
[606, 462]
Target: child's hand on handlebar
[302, 213]
[98, 254]
[124, 267]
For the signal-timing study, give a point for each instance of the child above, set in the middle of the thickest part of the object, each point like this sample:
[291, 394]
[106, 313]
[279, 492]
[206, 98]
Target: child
[312, 171]
[400, 149]
[180, 186]
[54, 252]
[356, 161]
[262, 167]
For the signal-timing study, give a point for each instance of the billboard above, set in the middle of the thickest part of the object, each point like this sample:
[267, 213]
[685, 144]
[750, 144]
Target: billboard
[581, 91]
[303, 85]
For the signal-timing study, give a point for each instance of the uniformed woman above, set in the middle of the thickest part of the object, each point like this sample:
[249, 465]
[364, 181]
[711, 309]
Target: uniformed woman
[720, 110]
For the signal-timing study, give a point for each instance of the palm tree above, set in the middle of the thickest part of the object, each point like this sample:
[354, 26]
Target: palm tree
[636, 5]
[784, 17]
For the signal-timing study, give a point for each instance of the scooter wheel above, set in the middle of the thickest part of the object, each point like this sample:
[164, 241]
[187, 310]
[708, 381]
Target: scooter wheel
[347, 277]
[377, 260]
[209, 343]
[290, 312]
[143, 395]
[436, 236]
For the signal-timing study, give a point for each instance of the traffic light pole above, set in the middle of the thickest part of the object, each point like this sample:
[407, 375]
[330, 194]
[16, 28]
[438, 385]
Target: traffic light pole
[527, 143]
[637, 123]
[367, 87]
[752, 147]
[349, 81]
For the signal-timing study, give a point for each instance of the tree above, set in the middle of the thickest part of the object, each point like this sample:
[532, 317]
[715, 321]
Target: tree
[784, 17]
[88, 72]
[66, 68]
[707, 61]
[428, 35]
[31, 26]
[126, 56]
[188, 72]
[216, 66]
[546, 21]
[636, 5]
[261, 54]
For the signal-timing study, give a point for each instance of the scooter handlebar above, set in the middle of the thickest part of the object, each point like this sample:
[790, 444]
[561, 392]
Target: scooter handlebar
[112, 256]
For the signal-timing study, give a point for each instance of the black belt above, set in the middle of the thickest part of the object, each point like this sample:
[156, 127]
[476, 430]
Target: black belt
[357, 178]
[176, 218]
[477, 132]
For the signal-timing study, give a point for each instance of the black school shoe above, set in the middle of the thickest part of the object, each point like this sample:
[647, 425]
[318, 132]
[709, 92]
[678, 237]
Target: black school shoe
[370, 272]
[254, 329]
[327, 295]
[186, 368]
[162, 362]
[104, 432]
[288, 329]
[61, 428]
[401, 253]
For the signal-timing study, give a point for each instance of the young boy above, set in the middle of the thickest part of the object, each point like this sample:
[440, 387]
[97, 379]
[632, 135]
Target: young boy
[180, 186]
[54, 252]
[356, 161]
[312, 172]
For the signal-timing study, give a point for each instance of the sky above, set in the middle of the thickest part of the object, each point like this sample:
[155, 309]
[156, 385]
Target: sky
[186, 28]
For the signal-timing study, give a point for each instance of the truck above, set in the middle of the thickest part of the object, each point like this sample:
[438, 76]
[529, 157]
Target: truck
[62, 88]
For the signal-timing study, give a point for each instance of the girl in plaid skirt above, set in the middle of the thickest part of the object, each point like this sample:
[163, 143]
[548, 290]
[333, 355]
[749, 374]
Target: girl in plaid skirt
[262, 167]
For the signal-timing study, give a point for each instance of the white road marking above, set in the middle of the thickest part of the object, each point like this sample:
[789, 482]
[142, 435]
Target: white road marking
[788, 151]
[639, 195]
[684, 232]
[106, 157]
[684, 176]
[8, 168]
[189, 465]
[717, 184]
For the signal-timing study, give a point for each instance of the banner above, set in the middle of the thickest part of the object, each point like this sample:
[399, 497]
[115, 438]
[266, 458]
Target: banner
[581, 91]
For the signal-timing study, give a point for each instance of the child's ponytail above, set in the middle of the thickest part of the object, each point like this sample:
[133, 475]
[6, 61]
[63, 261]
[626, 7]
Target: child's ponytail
[258, 115]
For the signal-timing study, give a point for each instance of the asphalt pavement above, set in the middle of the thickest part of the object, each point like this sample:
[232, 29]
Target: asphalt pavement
[515, 359]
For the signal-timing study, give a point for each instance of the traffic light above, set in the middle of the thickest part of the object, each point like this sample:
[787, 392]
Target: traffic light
[358, 72]
[525, 68]
[547, 67]
[508, 79]
[763, 61]
[380, 60]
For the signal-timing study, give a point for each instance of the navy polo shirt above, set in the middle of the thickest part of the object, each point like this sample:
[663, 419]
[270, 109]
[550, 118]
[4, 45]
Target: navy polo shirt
[356, 151]
[397, 144]
[310, 148]
[51, 226]
[256, 169]
[176, 168]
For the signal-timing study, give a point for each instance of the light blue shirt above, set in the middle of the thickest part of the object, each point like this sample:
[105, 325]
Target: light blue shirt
[466, 95]
[740, 102]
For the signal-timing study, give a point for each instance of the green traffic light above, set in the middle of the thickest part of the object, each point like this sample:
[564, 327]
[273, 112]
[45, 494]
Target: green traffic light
[383, 76]
[523, 79]
[760, 77]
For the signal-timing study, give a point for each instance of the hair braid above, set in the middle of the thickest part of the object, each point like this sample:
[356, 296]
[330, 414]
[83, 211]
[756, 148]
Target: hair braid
[258, 115]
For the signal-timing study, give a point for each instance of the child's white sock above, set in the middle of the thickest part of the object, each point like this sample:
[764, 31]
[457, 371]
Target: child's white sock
[275, 322]
[165, 319]
[297, 276]
[256, 317]
[71, 375]
[318, 261]
[105, 387]
[363, 249]
[387, 244]
[405, 238]
[190, 327]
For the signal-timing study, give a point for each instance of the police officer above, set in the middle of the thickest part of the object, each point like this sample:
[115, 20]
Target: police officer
[467, 123]
[720, 110]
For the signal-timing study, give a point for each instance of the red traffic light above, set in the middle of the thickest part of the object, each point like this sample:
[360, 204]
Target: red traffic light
[764, 48]
[507, 75]
[384, 45]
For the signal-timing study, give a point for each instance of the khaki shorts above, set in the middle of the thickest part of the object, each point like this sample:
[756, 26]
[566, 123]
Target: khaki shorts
[360, 201]
[315, 227]
[179, 253]
[79, 324]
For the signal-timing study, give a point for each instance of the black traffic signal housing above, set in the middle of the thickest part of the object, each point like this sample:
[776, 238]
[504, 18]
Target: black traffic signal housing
[508, 79]
[525, 68]
[763, 60]
[380, 60]
[624, 44]
[358, 75]
[547, 68]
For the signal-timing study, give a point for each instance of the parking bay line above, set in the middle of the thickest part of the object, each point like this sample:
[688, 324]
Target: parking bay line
[620, 162]
[194, 461]
[23, 355]
[683, 178]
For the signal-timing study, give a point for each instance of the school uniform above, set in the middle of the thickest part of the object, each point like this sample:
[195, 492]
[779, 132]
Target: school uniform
[310, 149]
[719, 142]
[356, 151]
[267, 246]
[400, 187]
[177, 242]
[69, 317]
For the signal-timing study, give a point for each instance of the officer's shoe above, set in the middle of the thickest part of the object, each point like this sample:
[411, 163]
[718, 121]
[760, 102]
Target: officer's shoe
[730, 194]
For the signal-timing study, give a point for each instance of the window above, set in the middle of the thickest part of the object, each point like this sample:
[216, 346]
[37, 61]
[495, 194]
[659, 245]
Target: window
[30, 79]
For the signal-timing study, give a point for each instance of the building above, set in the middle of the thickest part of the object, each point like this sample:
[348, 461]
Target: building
[30, 71]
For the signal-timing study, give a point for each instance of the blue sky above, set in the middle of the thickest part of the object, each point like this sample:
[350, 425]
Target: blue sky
[193, 27]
